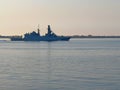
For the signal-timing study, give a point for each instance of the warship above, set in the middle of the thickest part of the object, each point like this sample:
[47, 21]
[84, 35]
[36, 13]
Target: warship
[35, 36]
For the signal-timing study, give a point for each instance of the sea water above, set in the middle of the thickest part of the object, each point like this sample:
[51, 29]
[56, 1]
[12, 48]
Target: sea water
[78, 64]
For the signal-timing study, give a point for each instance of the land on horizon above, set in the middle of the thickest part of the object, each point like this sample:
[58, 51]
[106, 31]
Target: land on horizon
[72, 36]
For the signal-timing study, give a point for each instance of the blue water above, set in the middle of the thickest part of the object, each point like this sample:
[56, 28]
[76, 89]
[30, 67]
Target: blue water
[80, 64]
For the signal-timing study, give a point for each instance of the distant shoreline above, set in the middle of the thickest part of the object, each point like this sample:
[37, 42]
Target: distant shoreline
[73, 36]
[90, 36]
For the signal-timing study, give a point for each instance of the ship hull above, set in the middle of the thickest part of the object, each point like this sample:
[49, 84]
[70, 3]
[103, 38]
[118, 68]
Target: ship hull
[42, 38]
[16, 39]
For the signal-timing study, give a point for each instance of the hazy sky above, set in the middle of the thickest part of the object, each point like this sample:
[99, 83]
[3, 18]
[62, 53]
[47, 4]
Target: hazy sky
[66, 17]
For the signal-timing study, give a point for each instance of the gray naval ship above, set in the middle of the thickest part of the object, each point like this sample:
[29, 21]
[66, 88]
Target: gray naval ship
[35, 36]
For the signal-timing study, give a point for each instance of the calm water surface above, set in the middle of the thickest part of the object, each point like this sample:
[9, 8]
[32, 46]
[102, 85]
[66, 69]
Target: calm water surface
[80, 64]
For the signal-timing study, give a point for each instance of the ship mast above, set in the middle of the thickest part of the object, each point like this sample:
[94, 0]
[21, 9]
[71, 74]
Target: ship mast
[38, 30]
[49, 30]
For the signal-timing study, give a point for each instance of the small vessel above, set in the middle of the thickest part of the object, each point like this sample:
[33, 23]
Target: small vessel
[35, 36]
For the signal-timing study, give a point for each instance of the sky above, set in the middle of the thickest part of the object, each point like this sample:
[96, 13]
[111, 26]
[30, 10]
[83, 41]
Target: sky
[66, 17]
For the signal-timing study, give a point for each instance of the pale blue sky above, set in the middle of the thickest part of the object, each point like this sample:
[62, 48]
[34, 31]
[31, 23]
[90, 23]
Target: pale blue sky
[66, 17]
